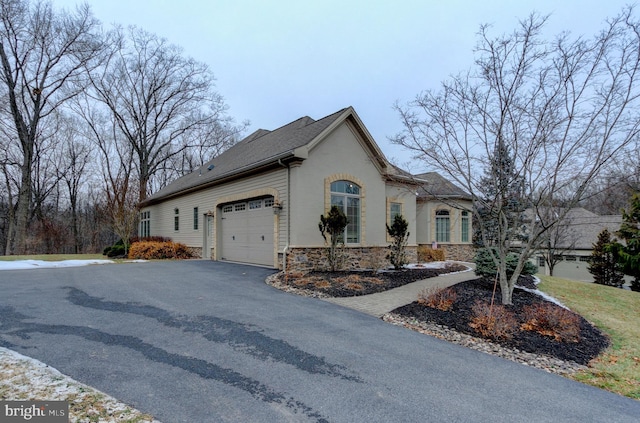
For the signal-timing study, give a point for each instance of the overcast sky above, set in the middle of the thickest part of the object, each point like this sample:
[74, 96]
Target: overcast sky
[278, 60]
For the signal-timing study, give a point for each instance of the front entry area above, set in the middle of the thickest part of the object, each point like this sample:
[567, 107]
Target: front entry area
[246, 231]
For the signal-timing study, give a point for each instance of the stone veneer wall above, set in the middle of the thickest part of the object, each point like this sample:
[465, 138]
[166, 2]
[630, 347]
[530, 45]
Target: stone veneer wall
[308, 259]
[196, 252]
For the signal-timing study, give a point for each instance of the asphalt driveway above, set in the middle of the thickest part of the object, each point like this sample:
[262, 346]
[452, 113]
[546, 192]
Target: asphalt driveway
[201, 341]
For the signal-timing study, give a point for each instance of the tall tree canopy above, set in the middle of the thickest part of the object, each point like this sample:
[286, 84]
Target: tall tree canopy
[42, 53]
[563, 108]
[162, 103]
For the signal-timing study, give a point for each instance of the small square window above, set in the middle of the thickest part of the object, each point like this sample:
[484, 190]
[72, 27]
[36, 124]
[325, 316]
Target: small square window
[240, 207]
[268, 202]
[255, 204]
[227, 209]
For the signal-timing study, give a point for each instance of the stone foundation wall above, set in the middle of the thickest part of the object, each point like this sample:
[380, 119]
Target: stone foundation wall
[459, 252]
[308, 259]
[196, 252]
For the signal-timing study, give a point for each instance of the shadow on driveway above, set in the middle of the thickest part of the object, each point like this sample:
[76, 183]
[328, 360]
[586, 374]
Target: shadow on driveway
[208, 341]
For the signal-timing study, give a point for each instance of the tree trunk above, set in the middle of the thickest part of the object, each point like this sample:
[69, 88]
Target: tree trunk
[506, 285]
[74, 223]
[10, 231]
[22, 209]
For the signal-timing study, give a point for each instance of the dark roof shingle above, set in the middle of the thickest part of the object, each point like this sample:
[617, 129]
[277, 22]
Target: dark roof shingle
[433, 185]
[259, 148]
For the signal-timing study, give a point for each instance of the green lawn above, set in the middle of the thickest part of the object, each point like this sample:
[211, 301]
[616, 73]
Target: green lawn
[54, 257]
[617, 313]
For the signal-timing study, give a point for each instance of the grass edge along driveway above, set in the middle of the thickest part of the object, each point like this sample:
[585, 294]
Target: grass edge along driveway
[617, 313]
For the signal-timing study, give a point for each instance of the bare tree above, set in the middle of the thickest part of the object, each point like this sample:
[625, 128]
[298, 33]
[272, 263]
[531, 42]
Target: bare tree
[41, 53]
[76, 156]
[116, 167]
[559, 239]
[564, 108]
[159, 100]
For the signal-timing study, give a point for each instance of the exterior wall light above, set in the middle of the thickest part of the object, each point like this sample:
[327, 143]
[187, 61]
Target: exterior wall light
[277, 208]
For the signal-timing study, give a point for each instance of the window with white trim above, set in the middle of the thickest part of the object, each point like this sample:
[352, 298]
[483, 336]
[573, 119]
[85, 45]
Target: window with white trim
[443, 232]
[227, 209]
[268, 202]
[176, 220]
[145, 224]
[240, 207]
[346, 195]
[195, 218]
[395, 209]
[464, 226]
[255, 204]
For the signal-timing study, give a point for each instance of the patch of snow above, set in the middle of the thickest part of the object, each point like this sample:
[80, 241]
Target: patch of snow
[41, 264]
[440, 265]
[542, 294]
[26, 379]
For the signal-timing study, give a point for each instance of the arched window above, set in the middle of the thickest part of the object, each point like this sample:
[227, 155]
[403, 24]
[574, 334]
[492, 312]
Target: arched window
[443, 233]
[346, 195]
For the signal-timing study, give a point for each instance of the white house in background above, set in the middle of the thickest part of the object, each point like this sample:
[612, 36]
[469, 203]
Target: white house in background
[260, 201]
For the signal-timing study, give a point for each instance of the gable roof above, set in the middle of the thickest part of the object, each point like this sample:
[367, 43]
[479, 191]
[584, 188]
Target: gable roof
[265, 149]
[580, 228]
[433, 185]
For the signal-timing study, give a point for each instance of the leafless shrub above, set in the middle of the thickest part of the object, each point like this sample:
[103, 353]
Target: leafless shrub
[550, 320]
[434, 297]
[493, 322]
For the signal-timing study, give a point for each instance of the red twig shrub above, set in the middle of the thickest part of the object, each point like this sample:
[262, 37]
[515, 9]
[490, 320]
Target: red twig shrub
[550, 320]
[150, 250]
[493, 322]
[441, 299]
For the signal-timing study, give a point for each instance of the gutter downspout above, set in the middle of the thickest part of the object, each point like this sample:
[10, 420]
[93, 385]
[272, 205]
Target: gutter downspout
[286, 247]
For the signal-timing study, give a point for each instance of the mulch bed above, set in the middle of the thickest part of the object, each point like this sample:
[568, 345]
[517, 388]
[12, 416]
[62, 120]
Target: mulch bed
[355, 283]
[590, 344]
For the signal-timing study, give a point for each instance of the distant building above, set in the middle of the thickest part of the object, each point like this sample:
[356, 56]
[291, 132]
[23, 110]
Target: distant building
[572, 243]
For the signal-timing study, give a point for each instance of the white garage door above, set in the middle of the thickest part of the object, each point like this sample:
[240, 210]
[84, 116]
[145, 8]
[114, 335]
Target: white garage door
[247, 231]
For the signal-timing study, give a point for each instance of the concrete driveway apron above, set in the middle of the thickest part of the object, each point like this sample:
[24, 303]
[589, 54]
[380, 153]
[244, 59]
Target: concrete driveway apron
[201, 341]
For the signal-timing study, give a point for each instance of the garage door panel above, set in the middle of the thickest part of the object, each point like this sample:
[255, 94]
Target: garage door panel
[247, 233]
